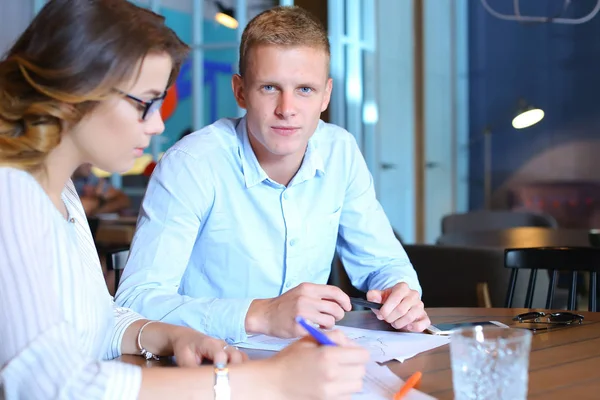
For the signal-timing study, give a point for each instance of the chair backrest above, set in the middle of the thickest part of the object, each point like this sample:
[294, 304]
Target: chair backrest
[115, 260]
[450, 276]
[94, 223]
[487, 220]
[553, 259]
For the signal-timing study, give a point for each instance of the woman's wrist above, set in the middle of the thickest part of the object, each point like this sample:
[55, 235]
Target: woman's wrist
[252, 380]
[157, 338]
[148, 355]
[260, 378]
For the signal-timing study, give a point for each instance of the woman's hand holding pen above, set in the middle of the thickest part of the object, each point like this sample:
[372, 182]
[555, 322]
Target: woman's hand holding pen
[309, 371]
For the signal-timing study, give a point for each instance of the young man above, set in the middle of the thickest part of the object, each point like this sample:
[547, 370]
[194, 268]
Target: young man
[241, 219]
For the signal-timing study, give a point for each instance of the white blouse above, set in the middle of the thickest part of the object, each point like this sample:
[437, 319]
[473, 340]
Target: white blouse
[57, 320]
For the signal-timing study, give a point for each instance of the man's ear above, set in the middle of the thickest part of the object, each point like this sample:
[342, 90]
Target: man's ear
[237, 85]
[327, 97]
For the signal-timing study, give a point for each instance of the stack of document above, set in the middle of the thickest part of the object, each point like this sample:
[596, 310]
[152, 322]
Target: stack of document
[383, 345]
[381, 384]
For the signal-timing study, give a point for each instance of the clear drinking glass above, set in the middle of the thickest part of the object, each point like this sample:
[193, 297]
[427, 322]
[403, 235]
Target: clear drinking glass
[490, 363]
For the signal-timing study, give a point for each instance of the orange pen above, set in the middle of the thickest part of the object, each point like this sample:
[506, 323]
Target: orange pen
[409, 384]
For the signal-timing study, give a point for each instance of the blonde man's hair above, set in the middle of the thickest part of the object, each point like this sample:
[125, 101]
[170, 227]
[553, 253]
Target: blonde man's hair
[288, 26]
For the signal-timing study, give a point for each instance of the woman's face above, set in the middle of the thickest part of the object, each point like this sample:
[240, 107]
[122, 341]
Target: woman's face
[113, 135]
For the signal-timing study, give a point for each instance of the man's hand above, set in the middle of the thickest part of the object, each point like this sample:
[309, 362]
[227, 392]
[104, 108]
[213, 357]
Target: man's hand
[402, 307]
[320, 304]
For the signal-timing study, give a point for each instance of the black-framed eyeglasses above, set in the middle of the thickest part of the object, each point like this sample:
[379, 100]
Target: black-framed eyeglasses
[548, 320]
[148, 107]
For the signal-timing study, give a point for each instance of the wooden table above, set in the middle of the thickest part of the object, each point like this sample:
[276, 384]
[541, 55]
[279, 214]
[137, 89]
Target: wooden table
[518, 238]
[564, 362]
[115, 231]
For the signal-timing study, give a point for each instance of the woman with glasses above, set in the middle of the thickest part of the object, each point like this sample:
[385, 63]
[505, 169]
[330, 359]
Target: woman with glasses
[83, 84]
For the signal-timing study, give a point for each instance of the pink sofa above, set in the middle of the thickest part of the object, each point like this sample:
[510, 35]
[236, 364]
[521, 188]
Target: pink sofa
[574, 204]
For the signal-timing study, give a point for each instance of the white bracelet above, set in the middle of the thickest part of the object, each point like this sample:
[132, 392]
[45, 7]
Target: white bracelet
[145, 353]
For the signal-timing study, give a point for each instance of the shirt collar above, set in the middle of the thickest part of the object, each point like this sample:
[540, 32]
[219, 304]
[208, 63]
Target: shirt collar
[253, 172]
[312, 164]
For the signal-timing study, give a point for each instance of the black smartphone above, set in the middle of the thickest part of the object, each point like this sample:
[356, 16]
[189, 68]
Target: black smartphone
[365, 303]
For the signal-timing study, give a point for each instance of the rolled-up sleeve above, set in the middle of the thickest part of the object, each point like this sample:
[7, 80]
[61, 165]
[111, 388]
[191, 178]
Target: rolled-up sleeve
[123, 318]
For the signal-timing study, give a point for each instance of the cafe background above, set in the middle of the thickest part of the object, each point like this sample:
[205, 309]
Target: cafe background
[420, 84]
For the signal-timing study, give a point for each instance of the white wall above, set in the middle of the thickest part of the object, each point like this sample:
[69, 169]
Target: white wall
[394, 169]
[446, 111]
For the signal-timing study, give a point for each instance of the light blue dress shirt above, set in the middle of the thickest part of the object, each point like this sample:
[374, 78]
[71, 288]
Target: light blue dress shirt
[215, 232]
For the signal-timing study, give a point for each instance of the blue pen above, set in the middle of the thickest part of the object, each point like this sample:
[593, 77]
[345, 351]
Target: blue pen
[315, 333]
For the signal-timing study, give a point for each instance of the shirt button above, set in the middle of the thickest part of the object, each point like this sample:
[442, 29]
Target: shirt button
[293, 242]
[286, 195]
[288, 285]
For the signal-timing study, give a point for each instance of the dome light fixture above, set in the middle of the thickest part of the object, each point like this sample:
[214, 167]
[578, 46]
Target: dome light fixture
[225, 16]
[527, 116]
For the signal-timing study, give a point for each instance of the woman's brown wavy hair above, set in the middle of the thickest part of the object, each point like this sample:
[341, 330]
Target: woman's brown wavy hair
[69, 58]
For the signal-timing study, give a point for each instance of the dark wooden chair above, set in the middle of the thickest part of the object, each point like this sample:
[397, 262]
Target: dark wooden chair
[93, 223]
[116, 258]
[449, 276]
[459, 276]
[553, 260]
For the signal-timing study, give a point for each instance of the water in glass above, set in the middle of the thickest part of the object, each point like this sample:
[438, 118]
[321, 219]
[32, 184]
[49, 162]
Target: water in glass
[490, 363]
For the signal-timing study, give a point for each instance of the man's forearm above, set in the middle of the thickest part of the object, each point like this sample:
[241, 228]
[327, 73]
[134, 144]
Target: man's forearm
[392, 275]
[220, 318]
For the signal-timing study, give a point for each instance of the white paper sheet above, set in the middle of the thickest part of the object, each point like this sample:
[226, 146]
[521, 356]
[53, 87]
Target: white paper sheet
[383, 345]
[381, 384]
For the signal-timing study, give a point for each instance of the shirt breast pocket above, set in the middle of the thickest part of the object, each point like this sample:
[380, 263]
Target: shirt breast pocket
[323, 230]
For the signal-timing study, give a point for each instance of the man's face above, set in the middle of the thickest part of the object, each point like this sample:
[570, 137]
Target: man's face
[284, 91]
